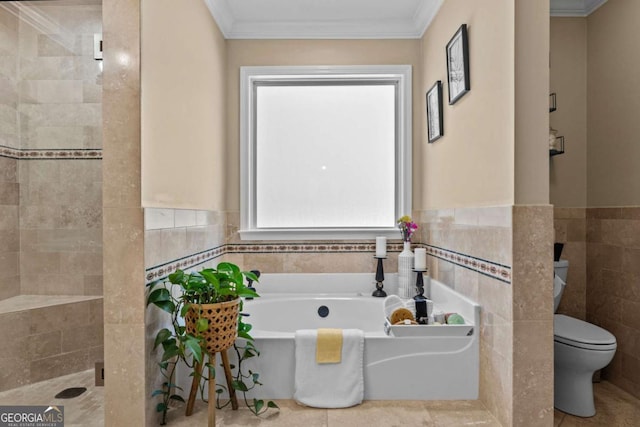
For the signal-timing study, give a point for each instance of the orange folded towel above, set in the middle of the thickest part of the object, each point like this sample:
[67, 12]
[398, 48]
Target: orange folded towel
[329, 346]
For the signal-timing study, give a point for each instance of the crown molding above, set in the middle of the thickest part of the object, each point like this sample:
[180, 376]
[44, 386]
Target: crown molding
[413, 27]
[425, 14]
[574, 8]
[221, 13]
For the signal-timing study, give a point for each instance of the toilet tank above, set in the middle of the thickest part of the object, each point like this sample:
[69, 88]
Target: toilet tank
[560, 268]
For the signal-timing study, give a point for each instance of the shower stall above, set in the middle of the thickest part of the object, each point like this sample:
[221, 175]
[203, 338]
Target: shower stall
[50, 189]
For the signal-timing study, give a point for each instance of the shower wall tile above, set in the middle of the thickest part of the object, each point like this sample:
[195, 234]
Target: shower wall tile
[54, 207]
[60, 225]
[8, 79]
[613, 287]
[48, 342]
[9, 229]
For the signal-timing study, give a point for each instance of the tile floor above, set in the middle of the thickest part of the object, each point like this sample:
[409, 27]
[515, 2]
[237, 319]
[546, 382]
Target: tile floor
[616, 408]
[86, 410]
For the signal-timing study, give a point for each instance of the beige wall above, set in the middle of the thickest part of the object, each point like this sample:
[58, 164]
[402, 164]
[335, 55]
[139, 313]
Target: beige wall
[309, 52]
[472, 165]
[531, 99]
[568, 79]
[613, 66]
[183, 106]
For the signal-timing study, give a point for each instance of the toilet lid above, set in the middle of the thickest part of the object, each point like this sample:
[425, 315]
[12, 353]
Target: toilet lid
[577, 333]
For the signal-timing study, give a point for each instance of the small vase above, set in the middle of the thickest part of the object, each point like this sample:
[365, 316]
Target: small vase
[405, 272]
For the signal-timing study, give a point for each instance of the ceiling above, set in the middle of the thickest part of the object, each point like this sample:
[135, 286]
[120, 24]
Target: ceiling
[575, 7]
[337, 19]
[314, 19]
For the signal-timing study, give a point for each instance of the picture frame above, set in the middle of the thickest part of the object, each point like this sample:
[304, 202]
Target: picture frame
[458, 77]
[435, 122]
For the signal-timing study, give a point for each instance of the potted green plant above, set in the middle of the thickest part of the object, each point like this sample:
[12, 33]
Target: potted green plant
[205, 311]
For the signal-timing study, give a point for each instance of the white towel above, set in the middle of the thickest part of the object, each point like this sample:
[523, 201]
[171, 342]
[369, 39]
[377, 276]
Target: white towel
[336, 385]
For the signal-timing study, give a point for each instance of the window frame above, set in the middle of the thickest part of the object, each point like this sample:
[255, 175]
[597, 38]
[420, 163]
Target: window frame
[251, 76]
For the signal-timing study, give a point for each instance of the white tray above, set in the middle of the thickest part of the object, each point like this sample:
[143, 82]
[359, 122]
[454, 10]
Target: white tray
[428, 330]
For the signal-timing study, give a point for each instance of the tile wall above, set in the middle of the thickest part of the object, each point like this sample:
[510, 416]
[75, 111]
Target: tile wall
[9, 228]
[613, 287]
[532, 315]
[516, 357]
[125, 358]
[9, 187]
[485, 234]
[305, 257]
[603, 284]
[61, 227]
[570, 226]
[50, 187]
[175, 238]
[52, 111]
[9, 48]
[50, 341]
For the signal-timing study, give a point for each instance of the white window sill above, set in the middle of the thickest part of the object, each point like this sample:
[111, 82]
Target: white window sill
[317, 234]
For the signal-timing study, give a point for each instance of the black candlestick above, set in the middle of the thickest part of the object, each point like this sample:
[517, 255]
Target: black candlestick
[420, 299]
[419, 285]
[379, 279]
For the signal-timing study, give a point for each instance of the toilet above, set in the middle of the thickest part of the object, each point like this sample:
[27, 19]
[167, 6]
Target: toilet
[580, 349]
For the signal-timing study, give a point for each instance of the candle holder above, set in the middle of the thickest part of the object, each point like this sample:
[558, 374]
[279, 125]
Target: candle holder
[379, 292]
[420, 300]
[419, 283]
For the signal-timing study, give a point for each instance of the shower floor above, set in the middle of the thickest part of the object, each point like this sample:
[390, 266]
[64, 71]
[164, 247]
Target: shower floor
[86, 410]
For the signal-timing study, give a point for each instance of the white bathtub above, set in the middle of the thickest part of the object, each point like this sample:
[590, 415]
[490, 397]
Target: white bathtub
[395, 368]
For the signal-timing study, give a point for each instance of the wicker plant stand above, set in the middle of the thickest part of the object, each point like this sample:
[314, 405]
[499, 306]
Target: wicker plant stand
[222, 333]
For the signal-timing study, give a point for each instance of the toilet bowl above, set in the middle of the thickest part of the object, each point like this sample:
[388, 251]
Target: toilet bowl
[580, 349]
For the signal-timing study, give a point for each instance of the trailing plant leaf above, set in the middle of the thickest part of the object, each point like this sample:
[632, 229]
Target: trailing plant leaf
[272, 404]
[257, 405]
[161, 298]
[170, 352]
[202, 324]
[239, 385]
[162, 335]
[193, 344]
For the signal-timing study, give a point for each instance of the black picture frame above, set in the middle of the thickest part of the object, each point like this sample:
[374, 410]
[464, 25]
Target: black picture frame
[458, 77]
[435, 122]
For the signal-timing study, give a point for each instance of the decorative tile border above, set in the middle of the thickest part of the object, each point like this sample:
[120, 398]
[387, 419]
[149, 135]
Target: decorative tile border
[50, 154]
[161, 271]
[261, 248]
[488, 268]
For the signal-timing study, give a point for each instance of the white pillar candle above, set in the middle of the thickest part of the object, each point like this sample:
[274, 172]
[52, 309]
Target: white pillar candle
[381, 247]
[421, 259]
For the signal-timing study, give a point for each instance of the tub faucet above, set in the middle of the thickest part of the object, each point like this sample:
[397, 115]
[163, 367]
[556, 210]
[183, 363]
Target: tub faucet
[250, 282]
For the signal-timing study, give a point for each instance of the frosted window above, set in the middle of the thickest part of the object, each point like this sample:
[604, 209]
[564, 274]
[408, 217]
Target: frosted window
[325, 156]
[325, 151]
